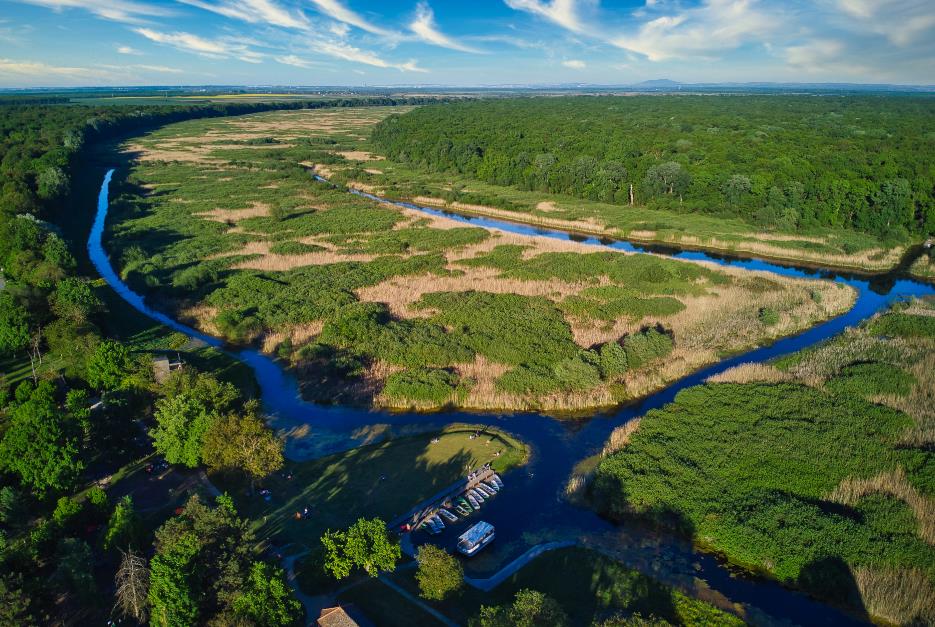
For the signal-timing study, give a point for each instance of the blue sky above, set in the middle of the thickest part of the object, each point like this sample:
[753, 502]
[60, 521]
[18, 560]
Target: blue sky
[462, 42]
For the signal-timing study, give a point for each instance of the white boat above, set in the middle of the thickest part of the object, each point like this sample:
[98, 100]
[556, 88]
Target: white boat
[438, 522]
[497, 478]
[492, 485]
[473, 501]
[485, 490]
[477, 495]
[475, 538]
[447, 515]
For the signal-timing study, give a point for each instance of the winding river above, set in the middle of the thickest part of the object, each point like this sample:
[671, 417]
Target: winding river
[531, 509]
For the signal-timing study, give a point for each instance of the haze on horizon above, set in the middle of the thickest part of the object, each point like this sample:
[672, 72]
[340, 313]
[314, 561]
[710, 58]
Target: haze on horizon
[65, 43]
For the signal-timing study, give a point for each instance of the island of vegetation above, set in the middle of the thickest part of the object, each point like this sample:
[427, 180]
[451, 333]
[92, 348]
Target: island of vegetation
[816, 469]
[221, 223]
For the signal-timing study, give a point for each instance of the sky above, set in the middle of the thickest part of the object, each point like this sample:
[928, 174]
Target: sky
[63, 43]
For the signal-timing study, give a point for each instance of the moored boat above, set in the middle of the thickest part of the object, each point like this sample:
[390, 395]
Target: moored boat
[475, 538]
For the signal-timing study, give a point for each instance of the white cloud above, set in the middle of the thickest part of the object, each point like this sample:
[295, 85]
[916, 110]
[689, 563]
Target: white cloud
[337, 11]
[37, 71]
[425, 28]
[575, 64]
[901, 21]
[293, 60]
[126, 11]
[343, 50]
[214, 48]
[561, 12]
[702, 32]
[128, 50]
[254, 12]
[162, 69]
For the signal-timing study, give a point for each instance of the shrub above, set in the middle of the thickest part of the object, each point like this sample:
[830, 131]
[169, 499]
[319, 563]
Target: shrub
[768, 316]
[439, 574]
[645, 346]
[903, 325]
[422, 385]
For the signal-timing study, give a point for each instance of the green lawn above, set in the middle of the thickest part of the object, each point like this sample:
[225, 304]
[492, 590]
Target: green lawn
[343, 487]
[386, 607]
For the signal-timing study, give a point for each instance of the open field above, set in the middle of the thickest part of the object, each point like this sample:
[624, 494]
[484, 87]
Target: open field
[589, 587]
[816, 469]
[219, 222]
[383, 480]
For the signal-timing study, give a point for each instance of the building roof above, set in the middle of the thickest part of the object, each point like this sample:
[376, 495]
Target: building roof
[336, 617]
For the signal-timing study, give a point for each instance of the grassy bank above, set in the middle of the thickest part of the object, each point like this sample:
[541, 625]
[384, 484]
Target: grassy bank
[372, 304]
[816, 470]
[384, 480]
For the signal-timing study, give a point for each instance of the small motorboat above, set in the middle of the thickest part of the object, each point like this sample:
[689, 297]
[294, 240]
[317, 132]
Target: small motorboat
[463, 503]
[497, 478]
[492, 485]
[485, 490]
[429, 526]
[473, 501]
[448, 515]
[438, 522]
[462, 510]
[477, 494]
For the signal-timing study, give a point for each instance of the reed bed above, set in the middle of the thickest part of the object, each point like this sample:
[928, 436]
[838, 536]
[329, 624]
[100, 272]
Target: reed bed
[751, 373]
[902, 596]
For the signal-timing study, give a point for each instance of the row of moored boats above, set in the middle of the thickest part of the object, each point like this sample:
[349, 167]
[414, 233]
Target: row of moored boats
[465, 505]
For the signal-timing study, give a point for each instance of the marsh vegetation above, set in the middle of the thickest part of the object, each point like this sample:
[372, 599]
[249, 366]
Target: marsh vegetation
[221, 222]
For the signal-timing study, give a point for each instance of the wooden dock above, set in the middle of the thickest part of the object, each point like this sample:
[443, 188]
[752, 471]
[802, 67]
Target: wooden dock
[429, 506]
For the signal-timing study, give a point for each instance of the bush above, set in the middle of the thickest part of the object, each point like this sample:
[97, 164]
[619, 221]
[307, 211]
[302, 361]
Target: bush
[645, 346]
[768, 316]
[422, 385]
[903, 325]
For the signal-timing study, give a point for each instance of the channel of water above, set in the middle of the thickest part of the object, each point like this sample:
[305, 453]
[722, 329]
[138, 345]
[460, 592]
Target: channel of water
[531, 509]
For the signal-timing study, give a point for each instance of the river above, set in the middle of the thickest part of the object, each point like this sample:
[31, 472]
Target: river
[530, 510]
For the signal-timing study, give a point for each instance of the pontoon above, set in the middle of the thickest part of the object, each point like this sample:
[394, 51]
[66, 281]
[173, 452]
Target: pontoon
[475, 538]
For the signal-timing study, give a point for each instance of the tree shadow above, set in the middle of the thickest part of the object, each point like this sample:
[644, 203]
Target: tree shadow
[830, 579]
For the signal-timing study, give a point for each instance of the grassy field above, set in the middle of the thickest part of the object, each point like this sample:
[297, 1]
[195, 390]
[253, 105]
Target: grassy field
[219, 222]
[817, 469]
[588, 586]
[385, 480]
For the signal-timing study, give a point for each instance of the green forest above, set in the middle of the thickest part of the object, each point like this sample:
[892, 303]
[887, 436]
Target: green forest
[786, 162]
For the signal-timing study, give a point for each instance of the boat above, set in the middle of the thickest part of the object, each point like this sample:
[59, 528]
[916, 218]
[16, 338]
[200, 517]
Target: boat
[429, 526]
[438, 522]
[485, 490]
[462, 510]
[477, 494]
[475, 538]
[492, 485]
[473, 501]
[497, 478]
[448, 515]
[463, 503]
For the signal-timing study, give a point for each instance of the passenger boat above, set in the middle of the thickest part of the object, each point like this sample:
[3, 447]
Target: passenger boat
[475, 538]
[448, 515]
[473, 501]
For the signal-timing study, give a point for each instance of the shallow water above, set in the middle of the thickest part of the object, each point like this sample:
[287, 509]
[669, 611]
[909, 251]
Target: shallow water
[530, 509]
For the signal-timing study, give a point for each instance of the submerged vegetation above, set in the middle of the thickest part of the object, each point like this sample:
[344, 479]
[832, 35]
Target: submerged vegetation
[816, 470]
[370, 303]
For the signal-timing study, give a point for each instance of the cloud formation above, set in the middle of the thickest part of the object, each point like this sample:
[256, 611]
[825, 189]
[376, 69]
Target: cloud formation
[425, 28]
[127, 11]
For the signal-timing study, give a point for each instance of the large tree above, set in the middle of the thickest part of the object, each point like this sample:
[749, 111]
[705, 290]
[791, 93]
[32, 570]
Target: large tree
[439, 574]
[266, 600]
[109, 366]
[41, 444]
[14, 324]
[242, 442]
[530, 608]
[366, 544]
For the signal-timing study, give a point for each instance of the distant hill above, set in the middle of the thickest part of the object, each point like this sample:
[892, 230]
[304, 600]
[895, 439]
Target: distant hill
[659, 82]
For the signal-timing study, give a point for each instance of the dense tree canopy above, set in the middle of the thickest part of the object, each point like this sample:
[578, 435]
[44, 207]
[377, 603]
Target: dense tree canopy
[860, 162]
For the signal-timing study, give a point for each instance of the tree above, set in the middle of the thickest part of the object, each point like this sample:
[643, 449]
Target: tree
[124, 529]
[439, 574]
[242, 442]
[52, 183]
[40, 445]
[266, 600]
[14, 604]
[171, 596]
[365, 544]
[668, 178]
[73, 299]
[530, 608]
[14, 324]
[109, 366]
[132, 583]
[181, 423]
[74, 570]
[736, 187]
